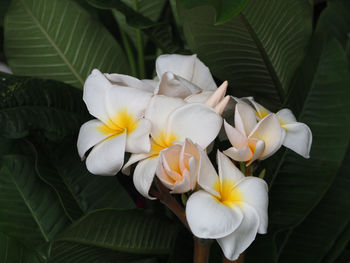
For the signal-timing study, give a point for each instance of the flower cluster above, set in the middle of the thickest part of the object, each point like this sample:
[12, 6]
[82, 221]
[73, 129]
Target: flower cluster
[168, 125]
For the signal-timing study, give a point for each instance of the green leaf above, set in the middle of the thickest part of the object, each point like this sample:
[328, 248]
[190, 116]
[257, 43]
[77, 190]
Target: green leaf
[150, 9]
[11, 251]
[4, 4]
[334, 21]
[339, 246]
[57, 39]
[322, 88]
[315, 236]
[132, 232]
[32, 105]
[29, 210]
[225, 9]
[91, 192]
[133, 18]
[258, 51]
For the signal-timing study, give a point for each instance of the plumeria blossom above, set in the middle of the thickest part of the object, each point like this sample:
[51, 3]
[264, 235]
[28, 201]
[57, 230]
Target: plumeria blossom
[252, 140]
[119, 126]
[231, 208]
[173, 120]
[179, 166]
[180, 76]
[298, 135]
[5, 68]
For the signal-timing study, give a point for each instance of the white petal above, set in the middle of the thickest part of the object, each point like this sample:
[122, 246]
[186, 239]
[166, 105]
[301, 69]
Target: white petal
[184, 185]
[207, 176]
[89, 135]
[175, 86]
[132, 100]
[195, 121]
[258, 147]
[5, 68]
[107, 157]
[245, 119]
[286, 116]
[200, 97]
[270, 131]
[236, 138]
[138, 141]
[261, 111]
[129, 81]
[187, 67]
[255, 194]
[237, 242]
[134, 158]
[158, 112]
[227, 170]
[208, 218]
[240, 155]
[95, 92]
[298, 138]
[144, 174]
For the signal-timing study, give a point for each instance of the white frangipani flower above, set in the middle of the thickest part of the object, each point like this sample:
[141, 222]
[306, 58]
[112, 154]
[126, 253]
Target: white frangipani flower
[181, 76]
[252, 140]
[5, 68]
[179, 166]
[298, 135]
[119, 126]
[173, 120]
[231, 208]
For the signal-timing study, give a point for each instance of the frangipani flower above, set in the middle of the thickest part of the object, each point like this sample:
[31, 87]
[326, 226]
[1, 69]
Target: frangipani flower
[181, 76]
[251, 140]
[231, 208]
[173, 120]
[298, 135]
[119, 126]
[179, 166]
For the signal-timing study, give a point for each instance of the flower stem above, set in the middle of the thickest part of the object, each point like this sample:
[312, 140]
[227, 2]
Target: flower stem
[201, 250]
[166, 198]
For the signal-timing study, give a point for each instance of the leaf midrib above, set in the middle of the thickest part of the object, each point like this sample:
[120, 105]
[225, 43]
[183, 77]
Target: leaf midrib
[75, 73]
[28, 206]
[265, 58]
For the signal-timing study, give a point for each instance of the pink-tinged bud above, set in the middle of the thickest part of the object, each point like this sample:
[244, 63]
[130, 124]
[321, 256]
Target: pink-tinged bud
[179, 165]
[217, 100]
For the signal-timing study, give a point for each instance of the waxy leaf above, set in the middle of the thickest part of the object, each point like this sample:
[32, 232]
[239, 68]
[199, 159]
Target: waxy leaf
[33, 105]
[12, 251]
[225, 9]
[258, 51]
[58, 39]
[327, 221]
[129, 233]
[29, 210]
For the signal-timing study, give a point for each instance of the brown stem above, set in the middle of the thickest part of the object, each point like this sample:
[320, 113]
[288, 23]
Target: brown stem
[201, 250]
[166, 198]
[239, 260]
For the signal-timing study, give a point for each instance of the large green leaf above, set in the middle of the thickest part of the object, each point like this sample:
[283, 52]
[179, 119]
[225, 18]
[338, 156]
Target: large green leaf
[11, 251]
[126, 232]
[225, 10]
[334, 21]
[29, 210]
[258, 51]
[149, 9]
[91, 192]
[313, 239]
[32, 105]
[58, 39]
[300, 183]
[319, 99]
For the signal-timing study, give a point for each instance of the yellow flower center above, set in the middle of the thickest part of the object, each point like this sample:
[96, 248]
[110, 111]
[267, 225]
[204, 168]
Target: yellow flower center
[161, 142]
[229, 194]
[121, 121]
